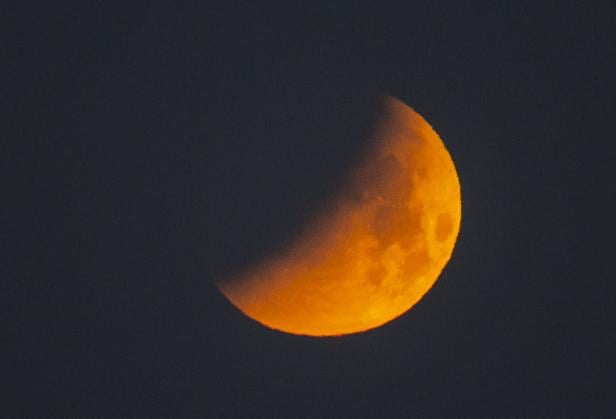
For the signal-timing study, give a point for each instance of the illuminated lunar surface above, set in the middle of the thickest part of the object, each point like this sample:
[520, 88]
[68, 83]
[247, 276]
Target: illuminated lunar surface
[377, 248]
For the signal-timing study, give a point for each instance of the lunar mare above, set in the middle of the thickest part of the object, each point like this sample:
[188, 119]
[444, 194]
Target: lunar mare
[376, 249]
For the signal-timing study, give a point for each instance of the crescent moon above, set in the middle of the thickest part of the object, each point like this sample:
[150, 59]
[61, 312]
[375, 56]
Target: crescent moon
[375, 251]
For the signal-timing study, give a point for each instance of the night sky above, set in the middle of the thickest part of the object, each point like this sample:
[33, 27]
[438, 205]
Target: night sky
[150, 150]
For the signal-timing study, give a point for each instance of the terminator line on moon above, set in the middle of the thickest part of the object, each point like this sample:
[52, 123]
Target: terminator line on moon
[379, 247]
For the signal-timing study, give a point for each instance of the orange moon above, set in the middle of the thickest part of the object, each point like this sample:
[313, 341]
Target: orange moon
[376, 248]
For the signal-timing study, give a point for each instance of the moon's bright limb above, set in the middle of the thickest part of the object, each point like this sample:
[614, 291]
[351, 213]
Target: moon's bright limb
[376, 251]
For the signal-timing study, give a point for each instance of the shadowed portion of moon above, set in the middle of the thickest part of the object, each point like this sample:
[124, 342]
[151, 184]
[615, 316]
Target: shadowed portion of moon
[273, 165]
[376, 246]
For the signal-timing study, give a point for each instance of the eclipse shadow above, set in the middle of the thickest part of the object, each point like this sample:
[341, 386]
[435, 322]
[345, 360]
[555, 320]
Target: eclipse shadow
[277, 158]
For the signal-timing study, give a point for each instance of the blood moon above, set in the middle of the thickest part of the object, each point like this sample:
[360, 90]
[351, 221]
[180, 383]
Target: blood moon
[379, 247]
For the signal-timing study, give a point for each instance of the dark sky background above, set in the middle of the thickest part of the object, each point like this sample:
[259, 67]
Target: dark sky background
[154, 148]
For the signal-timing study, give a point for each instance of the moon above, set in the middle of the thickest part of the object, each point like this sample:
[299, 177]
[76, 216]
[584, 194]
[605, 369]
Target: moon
[376, 248]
